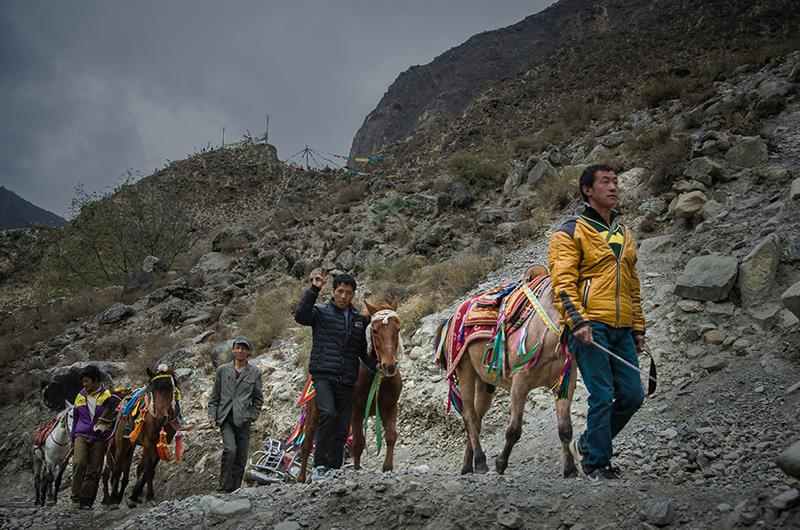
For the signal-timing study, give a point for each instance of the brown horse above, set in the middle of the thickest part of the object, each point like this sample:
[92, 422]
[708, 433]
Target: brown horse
[383, 334]
[158, 398]
[477, 387]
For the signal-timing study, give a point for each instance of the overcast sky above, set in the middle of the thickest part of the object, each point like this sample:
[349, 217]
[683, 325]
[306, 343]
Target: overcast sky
[90, 89]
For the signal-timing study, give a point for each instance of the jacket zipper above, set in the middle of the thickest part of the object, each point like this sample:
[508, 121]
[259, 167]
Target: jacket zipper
[586, 292]
[616, 294]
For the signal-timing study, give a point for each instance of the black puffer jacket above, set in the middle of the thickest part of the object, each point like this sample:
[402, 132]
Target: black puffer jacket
[335, 349]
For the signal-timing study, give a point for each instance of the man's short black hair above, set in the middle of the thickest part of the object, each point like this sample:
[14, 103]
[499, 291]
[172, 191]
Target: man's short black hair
[346, 279]
[587, 177]
[92, 372]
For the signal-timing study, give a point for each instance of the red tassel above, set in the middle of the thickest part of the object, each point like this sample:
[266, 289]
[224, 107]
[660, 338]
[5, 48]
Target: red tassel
[178, 446]
[162, 449]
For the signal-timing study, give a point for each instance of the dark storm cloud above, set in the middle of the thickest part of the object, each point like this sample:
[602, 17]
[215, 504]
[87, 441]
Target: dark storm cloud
[88, 90]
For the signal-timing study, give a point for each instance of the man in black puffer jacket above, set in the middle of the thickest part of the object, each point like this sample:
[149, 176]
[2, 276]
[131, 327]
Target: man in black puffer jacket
[338, 341]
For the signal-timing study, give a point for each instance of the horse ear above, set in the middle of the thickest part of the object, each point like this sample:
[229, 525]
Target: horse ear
[372, 310]
[150, 373]
[69, 404]
[393, 304]
[171, 369]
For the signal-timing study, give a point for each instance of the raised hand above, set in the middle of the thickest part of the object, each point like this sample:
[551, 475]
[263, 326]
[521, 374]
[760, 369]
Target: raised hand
[319, 279]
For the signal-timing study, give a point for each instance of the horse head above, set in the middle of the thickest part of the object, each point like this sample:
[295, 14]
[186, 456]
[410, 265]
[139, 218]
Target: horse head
[162, 386]
[383, 333]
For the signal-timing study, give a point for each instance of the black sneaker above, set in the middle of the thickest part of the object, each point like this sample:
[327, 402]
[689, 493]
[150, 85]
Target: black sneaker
[607, 472]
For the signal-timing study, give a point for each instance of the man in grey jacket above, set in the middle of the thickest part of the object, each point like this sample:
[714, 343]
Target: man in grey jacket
[235, 403]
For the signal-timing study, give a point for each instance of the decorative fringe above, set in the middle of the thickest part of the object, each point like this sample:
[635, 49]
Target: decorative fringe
[298, 434]
[454, 396]
[563, 382]
[162, 448]
[138, 423]
[178, 446]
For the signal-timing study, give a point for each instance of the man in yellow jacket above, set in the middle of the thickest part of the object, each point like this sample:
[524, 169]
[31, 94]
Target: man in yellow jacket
[592, 262]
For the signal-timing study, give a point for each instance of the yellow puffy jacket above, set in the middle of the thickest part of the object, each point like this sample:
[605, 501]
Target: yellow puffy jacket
[590, 283]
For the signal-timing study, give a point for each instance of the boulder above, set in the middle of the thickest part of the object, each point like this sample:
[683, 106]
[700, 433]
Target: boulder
[176, 359]
[346, 260]
[689, 204]
[757, 271]
[709, 278]
[787, 500]
[116, 313]
[629, 179]
[214, 262]
[291, 255]
[461, 194]
[154, 264]
[221, 352]
[225, 507]
[705, 170]
[794, 191]
[273, 259]
[791, 299]
[515, 177]
[63, 382]
[429, 240]
[542, 170]
[301, 268]
[656, 244]
[233, 238]
[661, 512]
[749, 152]
[600, 154]
[711, 209]
[789, 460]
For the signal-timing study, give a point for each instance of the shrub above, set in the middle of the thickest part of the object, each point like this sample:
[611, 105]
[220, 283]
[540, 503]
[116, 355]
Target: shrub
[271, 314]
[559, 191]
[661, 88]
[476, 170]
[350, 193]
[668, 162]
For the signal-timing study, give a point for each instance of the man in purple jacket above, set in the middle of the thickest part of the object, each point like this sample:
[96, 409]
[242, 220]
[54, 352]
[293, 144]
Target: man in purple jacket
[89, 446]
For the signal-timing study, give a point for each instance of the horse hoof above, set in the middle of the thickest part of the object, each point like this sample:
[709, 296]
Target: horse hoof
[482, 469]
[130, 503]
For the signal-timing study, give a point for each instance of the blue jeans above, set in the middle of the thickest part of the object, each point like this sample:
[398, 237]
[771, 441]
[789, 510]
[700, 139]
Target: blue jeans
[615, 390]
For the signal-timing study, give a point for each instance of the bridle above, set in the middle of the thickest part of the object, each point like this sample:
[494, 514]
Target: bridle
[63, 419]
[383, 316]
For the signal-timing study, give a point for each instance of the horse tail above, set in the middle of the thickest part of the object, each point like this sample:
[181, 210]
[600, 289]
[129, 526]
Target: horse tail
[439, 339]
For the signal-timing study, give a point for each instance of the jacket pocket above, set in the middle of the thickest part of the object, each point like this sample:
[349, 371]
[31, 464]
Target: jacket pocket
[586, 287]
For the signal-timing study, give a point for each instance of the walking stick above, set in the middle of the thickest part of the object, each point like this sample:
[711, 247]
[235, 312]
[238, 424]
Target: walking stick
[651, 386]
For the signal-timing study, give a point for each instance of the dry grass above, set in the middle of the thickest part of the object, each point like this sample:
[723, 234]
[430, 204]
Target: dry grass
[661, 88]
[350, 193]
[271, 314]
[556, 193]
[426, 288]
[668, 161]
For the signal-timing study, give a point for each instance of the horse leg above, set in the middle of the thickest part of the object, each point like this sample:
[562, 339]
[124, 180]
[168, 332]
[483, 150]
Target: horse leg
[390, 431]
[519, 394]
[309, 430]
[467, 380]
[150, 470]
[133, 500]
[564, 419]
[37, 479]
[48, 483]
[60, 475]
[359, 441]
[125, 472]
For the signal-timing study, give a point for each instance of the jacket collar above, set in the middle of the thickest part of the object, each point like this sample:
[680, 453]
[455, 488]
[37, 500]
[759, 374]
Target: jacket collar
[350, 308]
[594, 215]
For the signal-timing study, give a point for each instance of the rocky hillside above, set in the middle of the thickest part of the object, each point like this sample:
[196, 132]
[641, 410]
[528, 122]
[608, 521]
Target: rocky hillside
[711, 189]
[16, 212]
[574, 52]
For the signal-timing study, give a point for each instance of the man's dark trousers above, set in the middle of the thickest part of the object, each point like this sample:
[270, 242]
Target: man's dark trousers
[235, 441]
[335, 405]
[615, 390]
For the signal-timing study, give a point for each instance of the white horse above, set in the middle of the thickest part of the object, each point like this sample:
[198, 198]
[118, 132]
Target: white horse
[54, 453]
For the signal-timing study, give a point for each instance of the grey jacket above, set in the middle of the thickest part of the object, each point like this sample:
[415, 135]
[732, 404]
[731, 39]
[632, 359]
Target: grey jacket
[243, 396]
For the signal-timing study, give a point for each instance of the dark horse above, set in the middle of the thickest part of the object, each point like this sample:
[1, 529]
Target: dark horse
[477, 385]
[383, 334]
[156, 411]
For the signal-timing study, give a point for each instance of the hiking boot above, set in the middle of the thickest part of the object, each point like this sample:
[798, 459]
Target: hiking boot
[607, 472]
[319, 473]
[578, 455]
